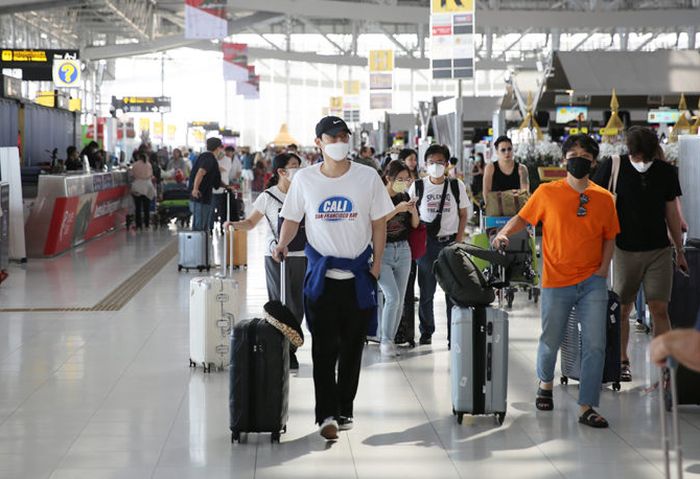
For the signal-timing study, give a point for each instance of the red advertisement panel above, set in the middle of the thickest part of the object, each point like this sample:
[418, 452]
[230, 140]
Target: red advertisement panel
[62, 226]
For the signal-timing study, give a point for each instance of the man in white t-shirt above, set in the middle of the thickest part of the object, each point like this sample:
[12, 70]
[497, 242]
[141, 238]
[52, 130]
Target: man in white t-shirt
[219, 198]
[446, 229]
[236, 165]
[345, 206]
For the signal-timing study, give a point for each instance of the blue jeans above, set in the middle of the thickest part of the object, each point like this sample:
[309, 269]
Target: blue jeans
[590, 297]
[201, 215]
[393, 279]
[427, 284]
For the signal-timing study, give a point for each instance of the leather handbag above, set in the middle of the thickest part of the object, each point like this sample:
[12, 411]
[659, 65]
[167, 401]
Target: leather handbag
[417, 240]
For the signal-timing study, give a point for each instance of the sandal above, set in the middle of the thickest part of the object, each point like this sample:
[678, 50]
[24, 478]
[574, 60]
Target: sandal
[544, 401]
[593, 419]
[625, 372]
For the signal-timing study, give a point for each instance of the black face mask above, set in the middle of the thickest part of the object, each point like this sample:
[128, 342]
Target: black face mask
[578, 166]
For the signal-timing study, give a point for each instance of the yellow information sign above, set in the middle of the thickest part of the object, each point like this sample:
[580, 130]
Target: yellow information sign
[172, 129]
[24, 56]
[381, 60]
[452, 6]
[66, 73]
[336, 103]
[351, 87]
[609, 131]
[158, 128]
[144, 124]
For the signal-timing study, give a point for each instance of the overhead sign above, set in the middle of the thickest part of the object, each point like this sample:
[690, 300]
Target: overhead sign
[36, 65]
[351, 101]
[235, 61]
[11, 87]
[66, 73]
[205, 125]
[381, 79]
[452, 39]
[142, 104]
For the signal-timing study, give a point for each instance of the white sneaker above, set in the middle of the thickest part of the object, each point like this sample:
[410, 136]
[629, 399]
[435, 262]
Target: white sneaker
[329, 429]
[388, 349]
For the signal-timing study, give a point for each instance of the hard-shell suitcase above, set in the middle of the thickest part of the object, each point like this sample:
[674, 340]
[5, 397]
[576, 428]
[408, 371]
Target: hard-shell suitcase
[213, 310]
[239, 257]
[259, 377]
[407, 326]
[479, 361]
[193, 247]
[685, 299]
[570, 350]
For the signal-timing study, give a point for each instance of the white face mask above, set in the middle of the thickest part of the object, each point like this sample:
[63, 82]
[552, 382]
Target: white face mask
[337, 151]
[642, 166]
[436, 170]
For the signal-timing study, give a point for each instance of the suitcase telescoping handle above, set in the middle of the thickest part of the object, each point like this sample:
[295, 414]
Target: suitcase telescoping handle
[283, 281]
[670, 369]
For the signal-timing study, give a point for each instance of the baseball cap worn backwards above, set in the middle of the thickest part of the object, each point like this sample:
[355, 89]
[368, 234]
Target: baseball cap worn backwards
[331, 125]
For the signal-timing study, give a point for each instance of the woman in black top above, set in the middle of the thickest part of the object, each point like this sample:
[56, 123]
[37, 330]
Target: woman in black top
[478, 174]
[396, 262]
[505, 173]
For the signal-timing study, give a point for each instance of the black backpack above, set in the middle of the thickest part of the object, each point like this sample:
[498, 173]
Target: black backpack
[461, 280]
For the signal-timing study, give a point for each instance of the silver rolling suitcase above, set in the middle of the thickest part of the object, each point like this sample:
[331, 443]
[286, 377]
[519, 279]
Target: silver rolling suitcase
[668, 380]
[213, 310]
[193, 248]
[479, 361]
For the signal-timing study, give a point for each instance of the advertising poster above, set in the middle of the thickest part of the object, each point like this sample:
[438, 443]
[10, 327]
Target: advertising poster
[205, 19]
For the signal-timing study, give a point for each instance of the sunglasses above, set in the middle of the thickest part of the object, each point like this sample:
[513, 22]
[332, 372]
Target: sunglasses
[582, 202]
[506, 150]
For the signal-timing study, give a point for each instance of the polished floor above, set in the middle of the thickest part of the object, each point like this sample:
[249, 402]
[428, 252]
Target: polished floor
[110, 394]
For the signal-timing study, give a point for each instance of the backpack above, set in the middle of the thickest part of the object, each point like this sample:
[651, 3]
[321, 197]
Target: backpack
[433, 227]
[298, 243]
[459, 277]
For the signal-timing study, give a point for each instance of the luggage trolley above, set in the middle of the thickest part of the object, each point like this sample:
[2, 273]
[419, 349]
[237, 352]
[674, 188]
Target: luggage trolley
[525, 271]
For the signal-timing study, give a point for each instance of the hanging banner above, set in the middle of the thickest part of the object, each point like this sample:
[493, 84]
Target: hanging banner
[235, 61]
[205, 19]
[452, 39]
[381, 79]
[335, 106]
[172, 130]
[249, 89]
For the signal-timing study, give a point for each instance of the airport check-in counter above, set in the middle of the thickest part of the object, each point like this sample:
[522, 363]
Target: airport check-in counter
[72, 208]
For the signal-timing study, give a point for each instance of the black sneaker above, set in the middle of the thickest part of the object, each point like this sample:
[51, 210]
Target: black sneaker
[345, 423]
[293, 361]
[425, 339]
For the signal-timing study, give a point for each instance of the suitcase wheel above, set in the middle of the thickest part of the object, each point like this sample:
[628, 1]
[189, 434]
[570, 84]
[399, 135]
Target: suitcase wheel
[275, 437]
[235, 436]
[536, 294]
[207, 367]
[460, 418]
[564, 380]
[199, 269]
[208, 268]
[179, 268]
[616, 386]
[193, 364]
[500, 417]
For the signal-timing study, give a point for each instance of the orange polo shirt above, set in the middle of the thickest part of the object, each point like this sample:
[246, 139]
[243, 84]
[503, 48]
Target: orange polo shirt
[572, 246]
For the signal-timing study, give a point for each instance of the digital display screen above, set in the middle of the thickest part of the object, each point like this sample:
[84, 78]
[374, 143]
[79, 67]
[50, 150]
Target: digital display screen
[663, 116]
[565, 114]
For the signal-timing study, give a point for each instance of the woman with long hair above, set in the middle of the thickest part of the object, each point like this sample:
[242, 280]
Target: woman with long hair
[142, 190]
[396, 262]
[268, 206]
[410, 159]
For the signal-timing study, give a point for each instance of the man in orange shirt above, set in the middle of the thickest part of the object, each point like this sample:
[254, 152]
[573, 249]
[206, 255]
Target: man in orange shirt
[579, 225]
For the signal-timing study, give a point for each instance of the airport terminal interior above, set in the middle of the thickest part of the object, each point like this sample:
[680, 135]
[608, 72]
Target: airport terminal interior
[142, 143]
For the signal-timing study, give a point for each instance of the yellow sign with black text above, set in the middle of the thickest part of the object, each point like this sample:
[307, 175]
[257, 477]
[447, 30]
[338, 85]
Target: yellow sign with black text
[381, 60]
[452, 6]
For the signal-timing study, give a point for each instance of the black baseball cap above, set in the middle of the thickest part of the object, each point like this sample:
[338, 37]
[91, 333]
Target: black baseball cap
[331, 125]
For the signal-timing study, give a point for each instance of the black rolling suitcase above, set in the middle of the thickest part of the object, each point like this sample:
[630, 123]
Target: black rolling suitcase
[259, 388]
[683, 310]
[571, 346]
[405, 334]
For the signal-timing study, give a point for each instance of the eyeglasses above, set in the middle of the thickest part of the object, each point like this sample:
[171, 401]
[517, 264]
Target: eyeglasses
[506, 150]
[582, 201]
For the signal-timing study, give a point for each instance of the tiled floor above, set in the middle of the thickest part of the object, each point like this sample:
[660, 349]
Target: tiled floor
[110, 395]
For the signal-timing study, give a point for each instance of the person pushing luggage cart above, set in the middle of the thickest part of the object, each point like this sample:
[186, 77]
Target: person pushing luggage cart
[579, 225]
[344, 205]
